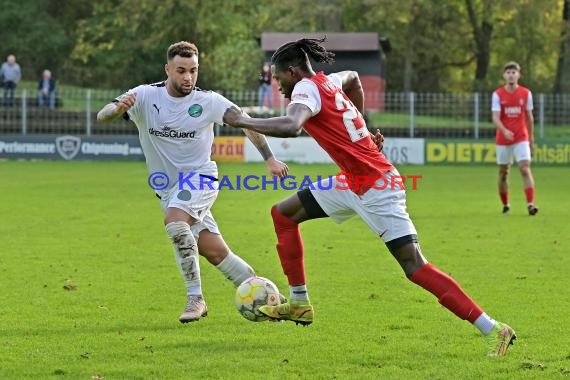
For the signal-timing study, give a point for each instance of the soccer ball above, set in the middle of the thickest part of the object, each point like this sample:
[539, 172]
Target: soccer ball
[253, 293]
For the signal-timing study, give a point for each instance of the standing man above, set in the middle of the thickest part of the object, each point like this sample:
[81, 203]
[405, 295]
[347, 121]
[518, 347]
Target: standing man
[265, 90]
[512, 115]
[329, 108]
[11, 73]
[175, 121]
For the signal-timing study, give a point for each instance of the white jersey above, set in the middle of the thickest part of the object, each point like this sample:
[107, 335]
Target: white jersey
[176, 134]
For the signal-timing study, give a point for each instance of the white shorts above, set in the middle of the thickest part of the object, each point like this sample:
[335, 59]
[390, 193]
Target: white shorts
[195, 202]
[384, 211]
[505, 153]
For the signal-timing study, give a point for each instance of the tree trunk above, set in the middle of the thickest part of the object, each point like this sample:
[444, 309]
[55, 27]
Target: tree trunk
[562, 80]
[410, 48]
[482, 36]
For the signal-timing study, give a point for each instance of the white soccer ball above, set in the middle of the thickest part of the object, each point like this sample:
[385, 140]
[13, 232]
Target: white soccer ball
[253, 293]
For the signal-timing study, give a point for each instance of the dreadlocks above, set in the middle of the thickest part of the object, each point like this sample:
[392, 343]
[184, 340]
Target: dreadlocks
[297, 53]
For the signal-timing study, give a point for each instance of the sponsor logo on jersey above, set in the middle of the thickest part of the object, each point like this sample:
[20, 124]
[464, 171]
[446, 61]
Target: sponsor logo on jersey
[168, 132]
[513, 111]
[195, 110]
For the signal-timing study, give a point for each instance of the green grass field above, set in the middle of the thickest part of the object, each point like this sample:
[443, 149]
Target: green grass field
[90, 288]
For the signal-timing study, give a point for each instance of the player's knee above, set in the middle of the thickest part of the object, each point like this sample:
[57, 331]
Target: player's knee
[280, 218]
[406, 251]
[524, 169]
[503, 171]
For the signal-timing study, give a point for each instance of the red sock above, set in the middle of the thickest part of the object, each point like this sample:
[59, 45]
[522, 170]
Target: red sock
[529, 192]
[290, 247]
[448, 292]
[504, 197]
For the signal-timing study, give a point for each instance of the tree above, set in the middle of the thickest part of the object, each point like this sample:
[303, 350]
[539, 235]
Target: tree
[482, 32]
[35, 37]
[423, 58]
[436, 44]
[562, 80]
[123, 44]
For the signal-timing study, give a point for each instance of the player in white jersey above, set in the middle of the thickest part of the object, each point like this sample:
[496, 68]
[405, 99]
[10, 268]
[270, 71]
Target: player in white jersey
[175, 121]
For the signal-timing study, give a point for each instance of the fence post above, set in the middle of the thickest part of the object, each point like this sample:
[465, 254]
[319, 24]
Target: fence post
[88, 112]
[411, 96]
[541, 115]
[24, 111]
[476, 115]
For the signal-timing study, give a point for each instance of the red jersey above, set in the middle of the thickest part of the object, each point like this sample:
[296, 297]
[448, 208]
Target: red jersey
[513, 107]
[340, 130]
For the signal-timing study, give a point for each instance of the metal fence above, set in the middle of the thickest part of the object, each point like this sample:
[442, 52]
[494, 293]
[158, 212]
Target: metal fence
[465, 115]
[403, 114]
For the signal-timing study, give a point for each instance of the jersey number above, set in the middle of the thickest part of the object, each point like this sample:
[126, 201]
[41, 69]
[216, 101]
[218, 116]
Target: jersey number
[352, 121]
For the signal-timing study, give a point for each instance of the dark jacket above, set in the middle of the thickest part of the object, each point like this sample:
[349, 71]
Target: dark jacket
[51, 84]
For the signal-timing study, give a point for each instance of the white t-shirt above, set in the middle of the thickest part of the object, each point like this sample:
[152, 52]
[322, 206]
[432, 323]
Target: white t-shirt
[176, 134]
[306, 92]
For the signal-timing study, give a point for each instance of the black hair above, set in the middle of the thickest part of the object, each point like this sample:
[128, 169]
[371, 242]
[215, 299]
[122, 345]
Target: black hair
[297, 53]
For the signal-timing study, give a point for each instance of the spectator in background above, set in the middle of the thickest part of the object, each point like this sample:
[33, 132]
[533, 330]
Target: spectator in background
[11, 74]
[265, 88]
[46, 90]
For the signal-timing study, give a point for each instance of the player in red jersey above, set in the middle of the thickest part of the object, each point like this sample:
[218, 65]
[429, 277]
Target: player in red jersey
[512, 115]
[329, 108]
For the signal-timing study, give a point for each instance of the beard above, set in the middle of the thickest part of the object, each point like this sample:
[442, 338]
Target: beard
[182, 91]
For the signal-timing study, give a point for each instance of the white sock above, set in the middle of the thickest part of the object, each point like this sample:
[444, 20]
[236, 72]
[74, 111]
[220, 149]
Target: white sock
[299, 293]
[235, 269]
[186, 255]
[485, 323]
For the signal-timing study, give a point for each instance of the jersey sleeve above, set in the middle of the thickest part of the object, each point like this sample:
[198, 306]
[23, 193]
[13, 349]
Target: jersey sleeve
[306, 92]
[219, 106]
[134, 112]
[495, 103]
[529, 103]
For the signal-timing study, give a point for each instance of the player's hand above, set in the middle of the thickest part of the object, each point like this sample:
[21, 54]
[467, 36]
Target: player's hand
[125, 103]
[378, 139]
[276, 167]
[232, 116]
[531, 146]
[508, 134]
